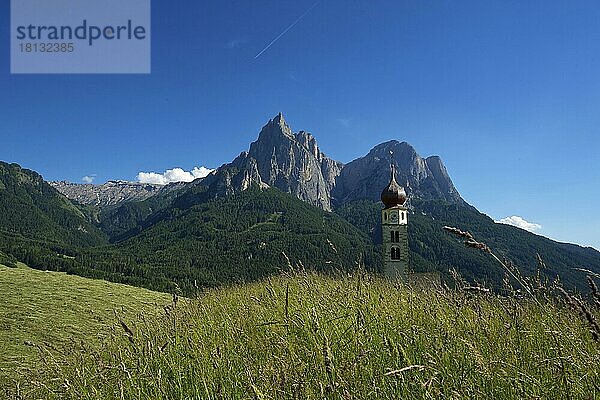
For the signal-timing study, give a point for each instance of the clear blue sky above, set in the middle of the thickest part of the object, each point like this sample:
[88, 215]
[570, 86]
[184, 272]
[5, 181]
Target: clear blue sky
[506, 92]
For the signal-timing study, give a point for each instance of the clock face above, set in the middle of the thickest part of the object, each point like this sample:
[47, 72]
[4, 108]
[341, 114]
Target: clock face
[394, 217]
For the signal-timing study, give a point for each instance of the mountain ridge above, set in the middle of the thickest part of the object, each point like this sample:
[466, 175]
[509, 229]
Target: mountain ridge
[30, 207]
[161, 241]
[294, 163]
[112, 192]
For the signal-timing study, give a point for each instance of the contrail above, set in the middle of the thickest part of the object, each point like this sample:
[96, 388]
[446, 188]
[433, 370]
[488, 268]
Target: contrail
[287, 29]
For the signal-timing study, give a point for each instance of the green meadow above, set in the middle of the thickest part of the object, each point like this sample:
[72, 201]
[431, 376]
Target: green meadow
[42, 314]
[294, 336]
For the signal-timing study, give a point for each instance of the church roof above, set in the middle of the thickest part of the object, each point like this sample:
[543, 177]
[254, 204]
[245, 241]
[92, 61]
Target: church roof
[394, 194]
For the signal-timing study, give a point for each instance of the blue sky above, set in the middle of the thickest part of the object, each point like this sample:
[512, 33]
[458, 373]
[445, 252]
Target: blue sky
[506, 92]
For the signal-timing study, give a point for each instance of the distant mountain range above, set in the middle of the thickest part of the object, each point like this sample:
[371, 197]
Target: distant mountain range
[108, 194]
[294, 164]
[244, 220]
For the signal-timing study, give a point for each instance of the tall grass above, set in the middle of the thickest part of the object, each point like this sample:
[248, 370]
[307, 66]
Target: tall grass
[306, 336]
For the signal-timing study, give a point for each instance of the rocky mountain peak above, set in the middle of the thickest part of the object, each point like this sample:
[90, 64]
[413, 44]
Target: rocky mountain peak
[294, 163]
[281, 159]
[276, 129]
[394, 150]
[279, 119]
[308, 141]
[391, 145]
[422, 178]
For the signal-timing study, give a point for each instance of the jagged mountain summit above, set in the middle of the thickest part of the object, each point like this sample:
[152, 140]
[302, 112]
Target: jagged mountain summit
[292, 163]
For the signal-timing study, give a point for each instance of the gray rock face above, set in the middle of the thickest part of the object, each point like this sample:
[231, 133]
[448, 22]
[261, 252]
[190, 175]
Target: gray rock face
[441, 177]
[294, 163]
[110, 193]
[365, 177]
[290, 162]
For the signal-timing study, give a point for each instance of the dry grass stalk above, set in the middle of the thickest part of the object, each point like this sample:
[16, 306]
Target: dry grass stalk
[127, 330]
[315, 320]
[459, 282]
[458, 232]
[541, 263]
[287, 301]
[471, 242]
[328, 360]
[258, 395]
[401, 370]
[595, 291]
[587, 271]
[478, 245]
[289, 263]
[331, 245]
[578, 305]
[541, 266]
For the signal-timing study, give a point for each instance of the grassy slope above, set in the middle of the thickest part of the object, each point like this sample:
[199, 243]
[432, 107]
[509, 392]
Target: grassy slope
[357, 337]
[53, 310]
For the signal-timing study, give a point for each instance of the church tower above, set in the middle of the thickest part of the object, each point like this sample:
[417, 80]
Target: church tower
[394, 224]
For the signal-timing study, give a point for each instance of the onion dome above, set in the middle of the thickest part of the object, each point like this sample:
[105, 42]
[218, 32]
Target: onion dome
[394, 194]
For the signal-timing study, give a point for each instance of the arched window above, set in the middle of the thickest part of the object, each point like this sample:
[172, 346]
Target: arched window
[402, 215]
[392, 236]
[397, 234]
[395, 253]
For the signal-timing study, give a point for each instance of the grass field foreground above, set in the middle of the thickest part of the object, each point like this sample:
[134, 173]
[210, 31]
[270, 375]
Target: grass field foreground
[44, 313]
[356, 337]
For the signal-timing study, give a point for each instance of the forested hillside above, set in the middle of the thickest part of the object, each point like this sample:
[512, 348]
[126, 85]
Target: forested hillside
[233, 239]
[38, 225]
[31, 208]
[431, 248]
[188, 238]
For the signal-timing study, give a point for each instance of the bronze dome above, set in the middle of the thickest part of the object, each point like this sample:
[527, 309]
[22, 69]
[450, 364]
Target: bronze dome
[394, 194]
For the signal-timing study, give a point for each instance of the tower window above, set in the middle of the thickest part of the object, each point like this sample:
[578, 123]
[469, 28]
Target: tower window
[402, 214]
[392, 237]
[397, 234]
[395, 253]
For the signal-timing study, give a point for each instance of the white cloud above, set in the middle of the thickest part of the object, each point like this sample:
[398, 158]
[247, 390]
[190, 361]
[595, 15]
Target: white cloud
[173, 175]
[520, 222]
[88, 178]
